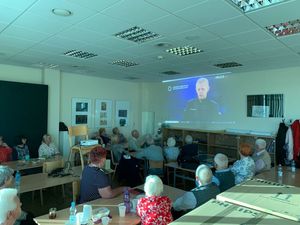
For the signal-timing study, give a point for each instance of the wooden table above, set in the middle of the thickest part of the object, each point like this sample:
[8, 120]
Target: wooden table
[112, 205]
[23, 165]
[40, 181]
[221, 213]
[265, 196]
[288, 178]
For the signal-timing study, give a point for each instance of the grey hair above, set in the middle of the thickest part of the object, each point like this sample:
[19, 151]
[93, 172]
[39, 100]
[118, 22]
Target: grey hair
[221, 160]
[188, 139]
[149, 139]
[261, 143]
[171, 142]
[204, 174]
[7, 202]
[5, 174]
[153, 186]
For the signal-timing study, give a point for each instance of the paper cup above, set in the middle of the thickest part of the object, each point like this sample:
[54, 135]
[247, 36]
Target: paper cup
[78, 218]
[105, 220]
[122, 209]
[87, 212]
[133, 203]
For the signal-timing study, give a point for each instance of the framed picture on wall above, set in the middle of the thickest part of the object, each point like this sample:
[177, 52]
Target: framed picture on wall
[122, 113]
[103, 113]
[81, 111]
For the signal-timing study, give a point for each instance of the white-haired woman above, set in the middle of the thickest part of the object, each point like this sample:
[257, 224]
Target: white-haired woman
[154, 208]
[10, 206]
[47, 148]
[171, 152]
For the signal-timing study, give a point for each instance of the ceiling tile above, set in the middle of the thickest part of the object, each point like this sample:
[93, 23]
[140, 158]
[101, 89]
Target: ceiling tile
[95, 4]
[278, 13]
[124, 10]
[290, 40]
[44, 8]
[232, 26]
[249, 37]
[104, 24]
[169, 25]
[17, 4]
[174, 5]
[201, 14]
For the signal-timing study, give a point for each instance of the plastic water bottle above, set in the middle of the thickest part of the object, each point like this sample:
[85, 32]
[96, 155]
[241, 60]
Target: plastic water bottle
[127, 200]
[279, 171]
[18, 180]
[293, 166]
[72, 218]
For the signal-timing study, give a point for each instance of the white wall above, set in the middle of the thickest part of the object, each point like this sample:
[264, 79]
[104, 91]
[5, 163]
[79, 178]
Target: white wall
[286, 81]
[79, 86]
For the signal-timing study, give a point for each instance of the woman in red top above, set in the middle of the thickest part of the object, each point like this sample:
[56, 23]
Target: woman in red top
[5, 151]
[154, 209]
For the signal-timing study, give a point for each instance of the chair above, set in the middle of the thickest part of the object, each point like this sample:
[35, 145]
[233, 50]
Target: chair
[78, 131]
[155, 168]
[115, 164]
[48, 167]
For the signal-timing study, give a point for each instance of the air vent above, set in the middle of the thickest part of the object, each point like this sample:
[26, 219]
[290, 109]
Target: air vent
[132, 78]
[170, 72]
[124, 63]
[80, 54]
[137, 34]
[184, 51]
[228, 65]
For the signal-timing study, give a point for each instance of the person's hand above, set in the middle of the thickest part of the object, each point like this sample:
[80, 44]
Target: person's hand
[11, 218]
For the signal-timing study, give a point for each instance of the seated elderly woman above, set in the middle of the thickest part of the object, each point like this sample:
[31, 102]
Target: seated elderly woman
[223, 177]
[116, 148]
[10, 206]
[104, 137]
[204, 191]
[154, 208]
[244, 168]
[121, 139]
[261, 157]
[7, 181]
[6, 177]
[21, 150]
[94, 182]
[47, 148]
[171, 152]
[5, 151]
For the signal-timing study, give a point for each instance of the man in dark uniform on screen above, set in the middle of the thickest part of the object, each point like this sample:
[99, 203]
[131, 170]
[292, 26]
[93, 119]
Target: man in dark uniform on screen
[201, 108]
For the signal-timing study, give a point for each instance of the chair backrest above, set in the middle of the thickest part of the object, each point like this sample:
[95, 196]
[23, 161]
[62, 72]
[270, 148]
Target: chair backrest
[156, 164]
[77, 131]
[49, 166]
[113, 158]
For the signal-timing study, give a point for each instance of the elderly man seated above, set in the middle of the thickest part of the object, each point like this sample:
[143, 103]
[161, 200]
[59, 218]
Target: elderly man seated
[10, 206]
[7, 181]
[134, 142]
[204, 191]
[223, 177]
[261, 157]
[151, 152]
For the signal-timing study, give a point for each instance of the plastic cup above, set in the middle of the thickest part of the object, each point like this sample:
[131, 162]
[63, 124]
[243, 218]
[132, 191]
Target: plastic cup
[105, 220]
[133, 203]
[78, 218]
[87, 212]
[52, 213]
[122, 209]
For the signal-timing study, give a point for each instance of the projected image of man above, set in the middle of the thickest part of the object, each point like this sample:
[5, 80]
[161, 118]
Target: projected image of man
[201, 108]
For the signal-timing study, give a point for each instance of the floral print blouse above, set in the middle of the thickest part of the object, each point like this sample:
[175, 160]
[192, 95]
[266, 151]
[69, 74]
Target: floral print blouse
[243, 169]
[155, 210]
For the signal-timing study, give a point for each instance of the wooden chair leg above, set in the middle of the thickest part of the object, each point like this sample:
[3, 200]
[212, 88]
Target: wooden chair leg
[63, 190]
[41, 195]
[113, 177]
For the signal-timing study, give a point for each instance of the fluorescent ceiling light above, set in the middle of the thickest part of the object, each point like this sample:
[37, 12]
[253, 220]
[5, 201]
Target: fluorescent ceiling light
[184, 51]
[286, 28]
[250, 5]
[137, 34]
[124, 63]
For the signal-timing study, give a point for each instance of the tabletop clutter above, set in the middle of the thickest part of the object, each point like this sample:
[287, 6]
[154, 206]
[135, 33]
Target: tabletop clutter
[96, 214]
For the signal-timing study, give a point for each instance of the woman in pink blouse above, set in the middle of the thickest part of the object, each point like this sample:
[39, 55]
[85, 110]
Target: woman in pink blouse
[154, 209]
